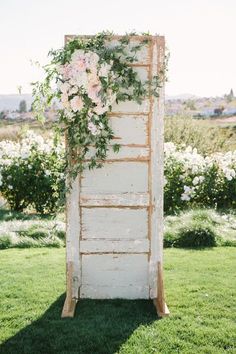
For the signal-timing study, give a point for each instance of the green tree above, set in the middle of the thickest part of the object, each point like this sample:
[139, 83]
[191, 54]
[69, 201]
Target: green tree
[22, 106]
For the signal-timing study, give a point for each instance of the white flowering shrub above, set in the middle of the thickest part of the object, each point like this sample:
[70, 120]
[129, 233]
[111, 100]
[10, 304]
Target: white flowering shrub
[194, 180]
[32, 173]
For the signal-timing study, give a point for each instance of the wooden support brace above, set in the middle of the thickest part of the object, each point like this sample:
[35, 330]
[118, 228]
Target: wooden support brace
[70, 302]
[159, 302]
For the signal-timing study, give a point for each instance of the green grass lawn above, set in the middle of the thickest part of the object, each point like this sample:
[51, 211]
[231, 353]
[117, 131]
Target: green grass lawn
[200, 291]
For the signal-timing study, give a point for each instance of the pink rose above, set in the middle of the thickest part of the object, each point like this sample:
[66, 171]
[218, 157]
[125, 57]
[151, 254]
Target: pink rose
[76, 103]
[94, 86]
[93, 93]
[91, 59]
[66, 71]
[99, 109]
[78, 60]
[80, 65]
[64, 87]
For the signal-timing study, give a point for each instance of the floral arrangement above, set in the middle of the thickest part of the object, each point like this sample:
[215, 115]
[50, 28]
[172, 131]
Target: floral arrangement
[89, 76]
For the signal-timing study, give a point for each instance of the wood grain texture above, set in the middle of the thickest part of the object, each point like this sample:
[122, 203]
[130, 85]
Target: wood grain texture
[159, 301]
[72, 237]
[114, 246]
[115, 276]
[132, 107]
[70, 302]
[126, 153]
[130, 129]
[114, 223]
[156, 170]
[136, 200]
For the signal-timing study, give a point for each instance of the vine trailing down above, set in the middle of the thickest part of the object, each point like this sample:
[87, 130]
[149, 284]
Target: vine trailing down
[88, 76]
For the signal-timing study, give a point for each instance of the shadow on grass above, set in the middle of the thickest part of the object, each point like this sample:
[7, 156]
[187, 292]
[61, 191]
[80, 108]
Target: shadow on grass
[99, 326]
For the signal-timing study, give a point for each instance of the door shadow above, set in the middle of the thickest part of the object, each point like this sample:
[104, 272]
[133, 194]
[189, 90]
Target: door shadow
[99, 326]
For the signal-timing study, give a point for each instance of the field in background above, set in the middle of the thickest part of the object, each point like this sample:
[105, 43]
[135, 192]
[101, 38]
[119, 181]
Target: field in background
[13, 130]
[207, 135]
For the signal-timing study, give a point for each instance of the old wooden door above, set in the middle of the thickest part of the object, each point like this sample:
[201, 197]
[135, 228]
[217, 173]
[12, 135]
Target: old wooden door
[115, 214]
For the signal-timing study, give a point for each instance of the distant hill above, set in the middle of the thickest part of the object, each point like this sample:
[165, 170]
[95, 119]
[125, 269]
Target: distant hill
[11, 102]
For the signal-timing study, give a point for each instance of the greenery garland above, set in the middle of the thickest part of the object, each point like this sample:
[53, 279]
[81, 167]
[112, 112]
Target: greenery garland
[88, 76]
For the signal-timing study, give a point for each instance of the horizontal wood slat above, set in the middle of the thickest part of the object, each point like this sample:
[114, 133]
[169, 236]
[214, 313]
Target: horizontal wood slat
[116, 200]
[132, 107]
[130, 129]
[126, 153]
[111, 179]
[114, 223]
[114, 246]
[114, 276]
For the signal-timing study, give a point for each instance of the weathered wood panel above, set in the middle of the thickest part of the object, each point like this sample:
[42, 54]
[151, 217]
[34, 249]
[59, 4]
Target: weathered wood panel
[114, 246]
[129, 153]
[111, 180]
[72, 237]
[115, 276]
[114, 223]
[130, 129]
[157, 176]
[115, 200]
[132, 107]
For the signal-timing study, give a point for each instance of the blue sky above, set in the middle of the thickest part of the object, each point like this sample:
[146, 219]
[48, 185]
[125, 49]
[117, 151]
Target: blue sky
[200, 35]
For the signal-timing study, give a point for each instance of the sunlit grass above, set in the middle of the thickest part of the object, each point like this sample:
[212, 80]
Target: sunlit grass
[200, 292]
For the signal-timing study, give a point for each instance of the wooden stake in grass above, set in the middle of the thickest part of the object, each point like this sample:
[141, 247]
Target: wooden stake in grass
[159, 302]
[70, 302]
